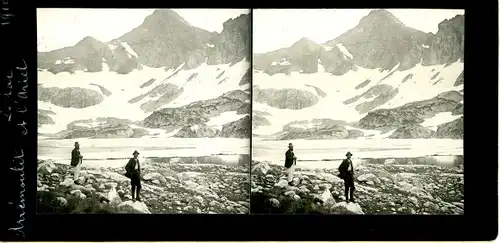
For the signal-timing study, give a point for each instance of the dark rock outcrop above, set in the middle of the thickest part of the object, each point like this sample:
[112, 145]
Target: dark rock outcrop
[197, 131]
[411, 113]
[377, 101]
[72, 97]
[259, 120]
[354, 133]
[411, 131]
[381, 94]
[320, 129]
[103, 90]
[102, 127]
[197, 113]
[447, 46]
[460, 79]
[246, 79]
[44, 117]
[237, 129]
[319, 91]
[363, 84]
[453, 129]
[164, 94]
[233, 44]
[285, 98]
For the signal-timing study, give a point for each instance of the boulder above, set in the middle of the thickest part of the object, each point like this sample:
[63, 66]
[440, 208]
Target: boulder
[46, 167]
[113, 197]
[155, 176]
[140, 207]
[67, 182]
[260, 169]
[166, 172]
[347, 208]
[61, 201]
[327, 198]
[281, 184]
[274, 202]
[369, 178]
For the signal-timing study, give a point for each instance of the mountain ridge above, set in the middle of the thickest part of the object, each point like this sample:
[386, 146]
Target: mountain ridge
[162, 64]
[376, 67]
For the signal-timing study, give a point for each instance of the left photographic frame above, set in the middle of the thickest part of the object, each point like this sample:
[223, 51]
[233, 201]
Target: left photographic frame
[148, 113]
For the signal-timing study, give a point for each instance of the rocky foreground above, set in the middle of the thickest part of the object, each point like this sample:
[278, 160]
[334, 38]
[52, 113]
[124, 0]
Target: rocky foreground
[380, 189]
[166, 188]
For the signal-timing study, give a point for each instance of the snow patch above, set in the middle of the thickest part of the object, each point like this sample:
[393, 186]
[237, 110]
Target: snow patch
[344, 50]
[440, 118]
[125, 87]
[224, 118]
[67, 60]
[327, 48]
[342, 88]
[129, 49]
[425, 46]
[281, 62]
[210, 45]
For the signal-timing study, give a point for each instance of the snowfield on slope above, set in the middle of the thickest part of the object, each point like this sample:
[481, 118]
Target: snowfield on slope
[123, 88]
[420, 86]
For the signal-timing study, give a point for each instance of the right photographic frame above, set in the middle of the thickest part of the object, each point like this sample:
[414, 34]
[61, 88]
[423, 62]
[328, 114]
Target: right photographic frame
[358, 111]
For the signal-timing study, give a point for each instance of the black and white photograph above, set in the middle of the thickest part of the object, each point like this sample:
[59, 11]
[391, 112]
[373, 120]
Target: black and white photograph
[143, 111]
[357, 111]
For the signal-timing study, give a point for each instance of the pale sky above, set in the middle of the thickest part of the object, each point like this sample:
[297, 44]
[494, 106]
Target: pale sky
[58, 28]
[278, 28]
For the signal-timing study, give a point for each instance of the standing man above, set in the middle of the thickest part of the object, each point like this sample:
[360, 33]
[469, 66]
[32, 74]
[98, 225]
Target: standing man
[290, 162]
[346, 170]
[133, 169]
[76, 160]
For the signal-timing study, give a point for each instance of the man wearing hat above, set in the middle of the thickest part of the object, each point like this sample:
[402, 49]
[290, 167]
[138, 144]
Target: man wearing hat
[76, 160]
[346, 170]
[290, 162]
[133, 169]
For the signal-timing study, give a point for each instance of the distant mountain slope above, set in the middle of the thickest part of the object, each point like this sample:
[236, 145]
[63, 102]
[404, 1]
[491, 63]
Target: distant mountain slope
[163, 63]
[380, 66]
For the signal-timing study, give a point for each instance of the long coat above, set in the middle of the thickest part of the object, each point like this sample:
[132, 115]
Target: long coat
[130, 167]
[343, 169]
[289, 160]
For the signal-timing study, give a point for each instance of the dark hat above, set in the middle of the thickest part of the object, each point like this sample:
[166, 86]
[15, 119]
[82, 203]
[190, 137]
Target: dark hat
[135, 152]
[290, 145]
[76, 143]
[348, 154]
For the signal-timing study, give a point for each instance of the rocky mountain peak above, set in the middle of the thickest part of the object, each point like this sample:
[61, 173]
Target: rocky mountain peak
[456, 22]
[380, 17]
[90, 41]
[233, 44]
[240, 21]
[305, 42]
[161, 17]
[448, 44]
